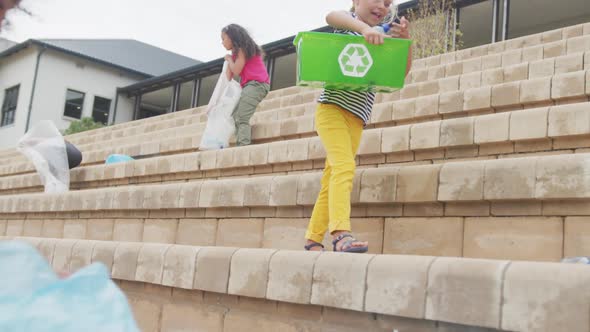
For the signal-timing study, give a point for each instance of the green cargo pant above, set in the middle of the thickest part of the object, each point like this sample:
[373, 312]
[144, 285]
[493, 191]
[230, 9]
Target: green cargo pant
[252, 93]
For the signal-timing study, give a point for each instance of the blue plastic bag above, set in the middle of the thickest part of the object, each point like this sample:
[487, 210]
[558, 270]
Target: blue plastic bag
[34, 298]
[118, 158]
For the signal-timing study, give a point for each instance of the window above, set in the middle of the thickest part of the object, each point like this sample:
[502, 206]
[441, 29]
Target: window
[145, 113]
[100, 110]
[156, 103]
[9, 106]
[206, 90]
[186, 93]
[284, 72]
[547, 15]
[475, 23]
[74, 104]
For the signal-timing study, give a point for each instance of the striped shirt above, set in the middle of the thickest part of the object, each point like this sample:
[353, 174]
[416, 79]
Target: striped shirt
[356, 102]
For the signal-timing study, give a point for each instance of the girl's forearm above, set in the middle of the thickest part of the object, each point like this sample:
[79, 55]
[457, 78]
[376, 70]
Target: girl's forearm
[231, 65]
[229, 73]
[236, 66]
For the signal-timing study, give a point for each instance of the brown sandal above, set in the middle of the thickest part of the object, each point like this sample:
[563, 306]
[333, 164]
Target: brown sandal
[313, 245]
[347, 245]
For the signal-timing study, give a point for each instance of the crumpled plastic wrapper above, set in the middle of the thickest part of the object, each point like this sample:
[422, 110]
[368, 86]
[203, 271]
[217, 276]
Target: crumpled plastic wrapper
[45, 147]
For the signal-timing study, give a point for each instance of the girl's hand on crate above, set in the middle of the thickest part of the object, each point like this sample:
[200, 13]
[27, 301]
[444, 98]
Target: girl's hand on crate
[372, 36]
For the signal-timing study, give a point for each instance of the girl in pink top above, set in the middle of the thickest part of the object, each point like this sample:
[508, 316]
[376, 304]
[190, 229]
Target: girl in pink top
[245, 62]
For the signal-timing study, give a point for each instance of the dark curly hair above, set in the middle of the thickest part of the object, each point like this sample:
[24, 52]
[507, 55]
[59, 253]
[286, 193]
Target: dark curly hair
[241, 39]
[4, 5]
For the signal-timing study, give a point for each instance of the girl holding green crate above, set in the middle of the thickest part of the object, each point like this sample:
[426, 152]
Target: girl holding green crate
[340, 119]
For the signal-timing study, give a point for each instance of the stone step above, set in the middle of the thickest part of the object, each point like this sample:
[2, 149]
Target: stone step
[564, 88]
[555, 129]
[520, 89]
[533, 238]
[560, 64]
[528, 44]
[475, 203]
[505, 179]
[516, 91]
[186, 122]
[119, 130]
[507, 58]
[499, 294]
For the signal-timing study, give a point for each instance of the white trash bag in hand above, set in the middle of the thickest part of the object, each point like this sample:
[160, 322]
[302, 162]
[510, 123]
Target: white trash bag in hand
[220, 123]
[46, 149]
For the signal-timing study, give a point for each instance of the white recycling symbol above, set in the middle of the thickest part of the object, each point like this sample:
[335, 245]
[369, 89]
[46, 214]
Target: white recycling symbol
[355, 60]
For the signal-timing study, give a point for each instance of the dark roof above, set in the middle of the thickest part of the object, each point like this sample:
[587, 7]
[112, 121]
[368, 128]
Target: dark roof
[124, 54]
[6, 44]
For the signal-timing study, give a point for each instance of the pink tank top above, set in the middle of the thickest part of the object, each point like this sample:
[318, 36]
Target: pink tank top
[254, 70]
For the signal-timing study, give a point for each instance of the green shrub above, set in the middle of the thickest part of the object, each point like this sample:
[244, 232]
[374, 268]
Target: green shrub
[82, 125]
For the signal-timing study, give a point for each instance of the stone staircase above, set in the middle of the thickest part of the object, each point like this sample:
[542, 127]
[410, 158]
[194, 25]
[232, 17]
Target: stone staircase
[471, 183]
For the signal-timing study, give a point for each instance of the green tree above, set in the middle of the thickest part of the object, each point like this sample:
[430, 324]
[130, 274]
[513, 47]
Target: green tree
[82, 125]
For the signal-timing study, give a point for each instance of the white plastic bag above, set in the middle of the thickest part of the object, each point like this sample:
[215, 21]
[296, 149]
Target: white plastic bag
[220, 123]
[46, 149]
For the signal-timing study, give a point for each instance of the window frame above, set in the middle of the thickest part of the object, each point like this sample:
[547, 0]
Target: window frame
[108, 111]
[7, 109]
[66, 104]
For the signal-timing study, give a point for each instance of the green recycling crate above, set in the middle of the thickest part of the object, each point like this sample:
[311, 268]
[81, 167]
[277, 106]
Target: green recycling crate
[346, 62]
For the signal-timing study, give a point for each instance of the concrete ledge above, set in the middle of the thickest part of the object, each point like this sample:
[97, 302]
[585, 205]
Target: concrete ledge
[544, 128]
[480, 293]
[531, 178]
[501, 230]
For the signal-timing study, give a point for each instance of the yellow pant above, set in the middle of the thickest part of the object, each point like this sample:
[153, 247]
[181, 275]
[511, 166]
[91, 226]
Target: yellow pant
[340, 132]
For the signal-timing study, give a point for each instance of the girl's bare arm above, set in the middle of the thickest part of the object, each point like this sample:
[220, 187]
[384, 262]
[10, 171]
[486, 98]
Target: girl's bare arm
[237, 66]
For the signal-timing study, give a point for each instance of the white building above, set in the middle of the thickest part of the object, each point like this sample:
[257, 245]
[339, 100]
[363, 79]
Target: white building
[65, 80]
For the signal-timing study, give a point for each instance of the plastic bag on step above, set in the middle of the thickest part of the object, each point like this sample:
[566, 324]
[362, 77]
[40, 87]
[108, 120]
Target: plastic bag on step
[118, 158]
[34, 298]
[576, 260]
[220, 123]
[45, 147]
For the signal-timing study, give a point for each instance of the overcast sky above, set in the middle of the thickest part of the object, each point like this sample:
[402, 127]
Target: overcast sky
[188, 27]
